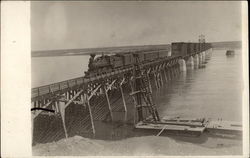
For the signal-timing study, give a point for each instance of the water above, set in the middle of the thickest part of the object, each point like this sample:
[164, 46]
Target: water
[47, 70]
[213, 91]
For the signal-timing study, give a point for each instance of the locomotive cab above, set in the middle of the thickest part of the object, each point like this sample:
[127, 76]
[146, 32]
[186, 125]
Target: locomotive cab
[101, 61]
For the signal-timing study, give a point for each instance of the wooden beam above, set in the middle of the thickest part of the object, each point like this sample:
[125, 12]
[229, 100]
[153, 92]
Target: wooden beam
[73, 98]
[123, 80]
[38, 112]
[110, 85]
[161, 131]
[90, 113]
[93, 92]
[149, 70]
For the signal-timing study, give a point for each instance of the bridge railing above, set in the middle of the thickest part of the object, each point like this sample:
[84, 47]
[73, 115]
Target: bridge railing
[68, 84]
[56, 87]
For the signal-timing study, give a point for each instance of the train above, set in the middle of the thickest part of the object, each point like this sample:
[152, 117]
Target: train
[106, 63]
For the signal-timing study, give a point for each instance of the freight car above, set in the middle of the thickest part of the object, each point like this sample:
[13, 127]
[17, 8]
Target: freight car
[179, 49]
[184, 49]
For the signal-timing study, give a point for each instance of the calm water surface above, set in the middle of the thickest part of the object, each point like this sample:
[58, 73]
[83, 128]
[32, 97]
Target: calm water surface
[213, 92]
[47, 70]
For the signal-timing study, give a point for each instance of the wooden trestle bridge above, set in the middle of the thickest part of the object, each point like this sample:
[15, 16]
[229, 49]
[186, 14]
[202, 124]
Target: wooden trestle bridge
[53, 99]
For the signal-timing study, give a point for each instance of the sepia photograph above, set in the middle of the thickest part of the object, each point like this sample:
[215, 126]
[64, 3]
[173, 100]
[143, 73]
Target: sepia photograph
[137, 78]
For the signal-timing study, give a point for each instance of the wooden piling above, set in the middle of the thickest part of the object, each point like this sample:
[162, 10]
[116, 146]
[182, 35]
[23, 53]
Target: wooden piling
[165, 76]
[109, 106]
[170, 74]
[56, 106]
[161, 78]
[86, 100]
[32, 127]
[176, 70]
[124, 103]
[155, 79]
[62, 113]
[149, 83]
[67, 95]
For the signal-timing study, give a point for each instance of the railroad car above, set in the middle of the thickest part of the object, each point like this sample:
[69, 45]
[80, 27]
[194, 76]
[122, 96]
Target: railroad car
[152, 55]
[116, 61]
[179, 49]
[163, 53]
[141, 56]
[127, 59]
[190, 48]
[197, 47]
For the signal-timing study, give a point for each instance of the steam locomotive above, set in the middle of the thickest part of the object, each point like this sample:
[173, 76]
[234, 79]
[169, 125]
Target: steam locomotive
[106, 63]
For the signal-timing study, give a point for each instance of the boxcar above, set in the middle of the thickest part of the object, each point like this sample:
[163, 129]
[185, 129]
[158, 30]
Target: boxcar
[190, 48]
[116, 61]
[140, 56]
[152, 55]
[179, 49]
[163, 53]
[197, 47]
[193, 48]
[127, 59]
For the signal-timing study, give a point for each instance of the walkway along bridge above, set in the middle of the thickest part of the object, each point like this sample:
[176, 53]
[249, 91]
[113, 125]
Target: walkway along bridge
[95, 94]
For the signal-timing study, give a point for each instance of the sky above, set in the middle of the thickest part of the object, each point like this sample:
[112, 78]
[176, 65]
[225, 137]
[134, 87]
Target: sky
[86, 24]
